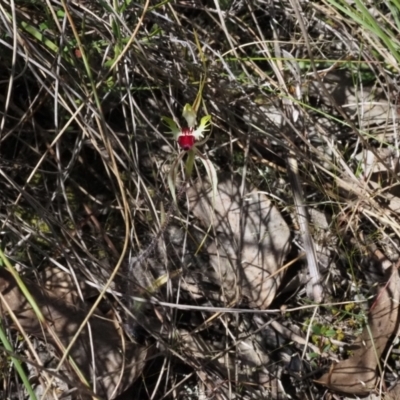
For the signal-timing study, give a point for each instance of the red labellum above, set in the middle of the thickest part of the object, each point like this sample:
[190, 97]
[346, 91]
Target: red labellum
[186, 140]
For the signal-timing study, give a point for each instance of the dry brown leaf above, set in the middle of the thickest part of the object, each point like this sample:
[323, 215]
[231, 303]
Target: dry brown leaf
[359, 373]
[382, 178]
[251, 241]
[367, 102]
[57, 281]
[394, 393]
[65, 318]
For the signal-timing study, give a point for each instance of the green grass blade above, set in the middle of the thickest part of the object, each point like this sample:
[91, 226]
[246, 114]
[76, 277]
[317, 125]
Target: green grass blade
[18, 366]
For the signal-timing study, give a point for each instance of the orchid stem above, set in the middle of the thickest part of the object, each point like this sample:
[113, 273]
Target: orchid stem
[189, 164]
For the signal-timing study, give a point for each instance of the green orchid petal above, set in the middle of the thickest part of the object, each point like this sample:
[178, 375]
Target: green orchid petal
[190, 115]
[172, 125]
[204, 126]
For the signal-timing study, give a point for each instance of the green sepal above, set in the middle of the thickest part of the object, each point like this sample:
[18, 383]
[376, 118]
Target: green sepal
[190, 115]
[172, 125]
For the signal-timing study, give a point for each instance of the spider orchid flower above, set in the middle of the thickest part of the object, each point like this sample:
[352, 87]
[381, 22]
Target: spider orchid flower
[188, 136]
[188, 139]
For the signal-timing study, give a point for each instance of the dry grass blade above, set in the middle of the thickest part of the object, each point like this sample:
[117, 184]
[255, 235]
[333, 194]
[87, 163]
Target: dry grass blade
[314, 287]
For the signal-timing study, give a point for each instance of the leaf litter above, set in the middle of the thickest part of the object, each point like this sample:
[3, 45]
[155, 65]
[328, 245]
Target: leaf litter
[114, 364]
[359, 374]
[250, 241]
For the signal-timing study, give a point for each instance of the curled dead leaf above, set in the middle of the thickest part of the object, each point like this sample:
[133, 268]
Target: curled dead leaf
[251, 240]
